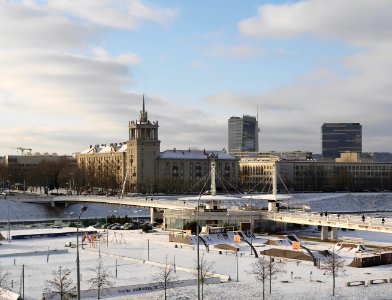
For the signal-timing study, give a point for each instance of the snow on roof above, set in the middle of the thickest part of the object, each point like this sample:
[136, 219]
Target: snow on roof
[106, 148]
[195, 154]
[209, 198]
[276, 197]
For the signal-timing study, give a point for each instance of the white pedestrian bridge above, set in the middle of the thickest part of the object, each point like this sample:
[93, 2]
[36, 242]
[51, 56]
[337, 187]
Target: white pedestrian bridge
[186, 210]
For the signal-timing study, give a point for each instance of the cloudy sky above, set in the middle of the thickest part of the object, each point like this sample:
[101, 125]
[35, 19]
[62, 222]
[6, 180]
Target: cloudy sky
[73, 72]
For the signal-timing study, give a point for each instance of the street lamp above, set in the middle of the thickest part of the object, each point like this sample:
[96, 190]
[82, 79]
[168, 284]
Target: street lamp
[69, 217]
[198, 244]
[107, 229]
[250, 227]
[82, 209]
[8, 213]
[198, 250]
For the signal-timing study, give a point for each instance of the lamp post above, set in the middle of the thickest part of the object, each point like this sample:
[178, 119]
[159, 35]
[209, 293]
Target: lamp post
[198, 245]
[82, 209]
[107, 229]
[69, 217]
[198, 250]
[8, 214]
[250, 227]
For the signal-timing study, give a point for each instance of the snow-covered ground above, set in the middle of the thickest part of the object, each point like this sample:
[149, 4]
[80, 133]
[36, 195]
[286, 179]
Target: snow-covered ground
[301, 280]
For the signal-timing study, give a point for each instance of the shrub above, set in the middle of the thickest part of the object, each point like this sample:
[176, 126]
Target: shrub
[146, 227]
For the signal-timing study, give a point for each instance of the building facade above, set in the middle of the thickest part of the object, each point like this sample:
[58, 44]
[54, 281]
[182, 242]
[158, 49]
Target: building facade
[132, 164]
[340, 137]
[183, 171]
[143, 149]
[104, 164]
[316, 176]
[140, 167]
[243, 134]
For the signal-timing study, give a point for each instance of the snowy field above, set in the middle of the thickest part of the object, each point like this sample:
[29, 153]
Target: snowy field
[296, 283]
[128, 250]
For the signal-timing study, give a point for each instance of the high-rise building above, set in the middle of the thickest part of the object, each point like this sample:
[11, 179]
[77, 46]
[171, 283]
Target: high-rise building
[243, 134]
[341, 137]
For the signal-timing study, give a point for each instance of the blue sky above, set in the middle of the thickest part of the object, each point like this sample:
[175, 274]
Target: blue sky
[73, 72]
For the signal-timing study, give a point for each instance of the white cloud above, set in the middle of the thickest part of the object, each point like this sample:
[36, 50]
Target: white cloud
[128, 58]
[111, 13]
[360, 94]
[356, 21]
[60, 89]
[234, 51]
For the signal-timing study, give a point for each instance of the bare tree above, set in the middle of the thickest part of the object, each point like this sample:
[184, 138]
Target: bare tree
[102, 278]
[3, 279]
[334, 266]
[267, 269]
[166, 277]
[205, 272]
[61, 283]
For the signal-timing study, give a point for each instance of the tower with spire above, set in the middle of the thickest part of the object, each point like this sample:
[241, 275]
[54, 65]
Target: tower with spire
[143, 149]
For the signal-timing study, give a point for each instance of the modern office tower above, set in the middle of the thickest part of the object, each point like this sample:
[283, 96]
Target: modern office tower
[243, 134]
[341, 137]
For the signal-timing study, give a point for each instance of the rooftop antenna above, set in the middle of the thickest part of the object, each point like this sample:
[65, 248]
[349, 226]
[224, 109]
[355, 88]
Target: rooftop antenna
[143, 104]
[143, 113]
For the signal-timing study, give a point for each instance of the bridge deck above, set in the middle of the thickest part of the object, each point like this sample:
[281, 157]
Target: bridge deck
[186, 208]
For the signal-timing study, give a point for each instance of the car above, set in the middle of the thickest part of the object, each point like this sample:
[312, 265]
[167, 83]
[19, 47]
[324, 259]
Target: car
[106, 225]
[114, 225]
[127, 227]
[124, 225]
[98, 225]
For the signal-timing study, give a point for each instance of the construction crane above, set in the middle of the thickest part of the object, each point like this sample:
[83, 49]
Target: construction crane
[22, 149]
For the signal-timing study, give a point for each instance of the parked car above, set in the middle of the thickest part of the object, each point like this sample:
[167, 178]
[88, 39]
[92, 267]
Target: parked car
[127, 227]
[115, 226]
[98, 225]
[125, 224]
[106, 225]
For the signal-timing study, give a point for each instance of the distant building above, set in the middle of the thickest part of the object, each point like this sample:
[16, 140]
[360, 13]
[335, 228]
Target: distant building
[147, 170]
[143, 150]
[379, 156]
[350, 173]
[287, 155]
[134, 160]
[243, 134]
[28, 161]
[104, 163]
[340, 137]
[183, 170]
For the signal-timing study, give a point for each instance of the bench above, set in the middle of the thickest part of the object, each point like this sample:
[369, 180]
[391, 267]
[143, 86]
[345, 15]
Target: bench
[378, 281]
[355, 283]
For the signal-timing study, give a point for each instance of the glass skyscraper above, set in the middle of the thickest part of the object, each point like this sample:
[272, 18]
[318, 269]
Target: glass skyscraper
[341, 137]
[243, 134]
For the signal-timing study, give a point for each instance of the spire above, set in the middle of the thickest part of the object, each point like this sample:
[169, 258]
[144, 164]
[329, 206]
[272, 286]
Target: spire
[143, 113]
[143, 104]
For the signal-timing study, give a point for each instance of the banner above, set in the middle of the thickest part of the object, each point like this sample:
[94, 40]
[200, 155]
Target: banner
[296, 245]
[237, 238]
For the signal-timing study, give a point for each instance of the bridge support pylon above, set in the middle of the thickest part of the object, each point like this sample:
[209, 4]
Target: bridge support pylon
[324, 233]
[334, 233]
[152, 215]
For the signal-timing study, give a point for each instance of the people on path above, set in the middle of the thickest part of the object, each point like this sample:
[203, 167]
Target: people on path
[363, 218]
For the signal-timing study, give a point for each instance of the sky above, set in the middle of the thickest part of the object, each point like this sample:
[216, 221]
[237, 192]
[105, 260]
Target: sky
[73, 72]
